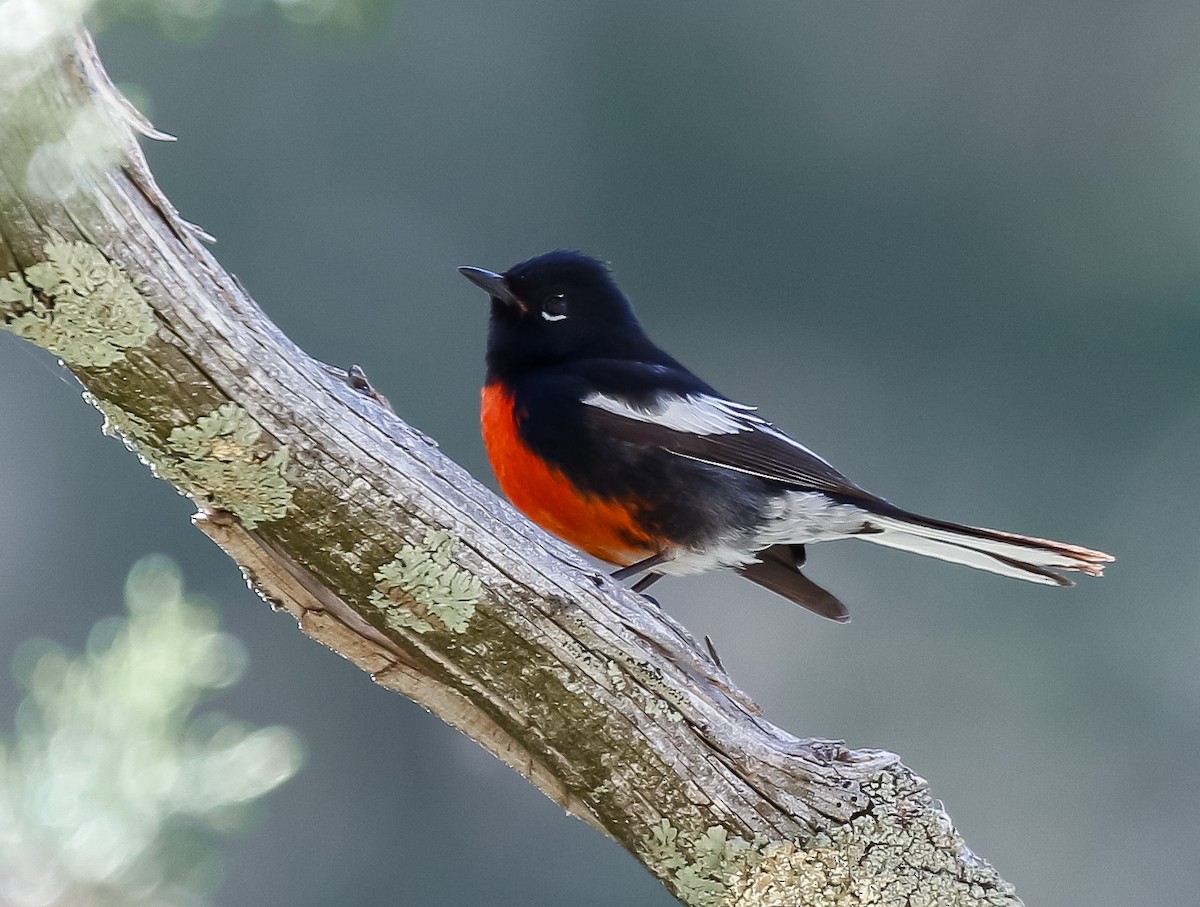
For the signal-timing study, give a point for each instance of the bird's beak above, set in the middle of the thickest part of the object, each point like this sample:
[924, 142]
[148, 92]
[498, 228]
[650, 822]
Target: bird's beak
[493, 284]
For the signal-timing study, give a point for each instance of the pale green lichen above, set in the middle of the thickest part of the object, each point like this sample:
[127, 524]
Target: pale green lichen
[423, 589]
[78, 305]
[220, 457]
[218, 460]
[872, 865]
[904, 852]
[699, 867]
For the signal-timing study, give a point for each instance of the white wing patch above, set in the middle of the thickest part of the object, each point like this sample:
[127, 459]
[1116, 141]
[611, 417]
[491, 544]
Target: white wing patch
[698, 415]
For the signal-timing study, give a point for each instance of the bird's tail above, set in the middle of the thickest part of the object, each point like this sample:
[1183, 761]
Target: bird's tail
[1033, 559]
[778, 569]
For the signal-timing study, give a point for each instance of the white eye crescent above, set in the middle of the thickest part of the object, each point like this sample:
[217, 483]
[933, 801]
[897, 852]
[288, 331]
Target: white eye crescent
[555, 308]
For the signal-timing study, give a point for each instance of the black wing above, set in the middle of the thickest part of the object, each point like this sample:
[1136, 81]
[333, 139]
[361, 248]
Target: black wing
[710, 429]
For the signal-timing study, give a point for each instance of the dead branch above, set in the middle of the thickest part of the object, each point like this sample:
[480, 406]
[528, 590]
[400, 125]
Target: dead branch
[390, 554]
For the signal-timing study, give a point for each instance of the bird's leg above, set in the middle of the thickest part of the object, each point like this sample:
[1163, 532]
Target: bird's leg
[640, 567]
[646, 581]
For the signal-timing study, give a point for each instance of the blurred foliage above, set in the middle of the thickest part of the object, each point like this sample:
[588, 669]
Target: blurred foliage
[189, 20]
[113, 790]
[27, 23]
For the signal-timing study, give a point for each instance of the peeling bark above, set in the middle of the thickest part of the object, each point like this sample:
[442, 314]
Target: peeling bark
[391, 555]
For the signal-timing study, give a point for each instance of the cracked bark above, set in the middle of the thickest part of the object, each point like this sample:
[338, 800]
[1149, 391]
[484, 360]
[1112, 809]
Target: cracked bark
[604, 703]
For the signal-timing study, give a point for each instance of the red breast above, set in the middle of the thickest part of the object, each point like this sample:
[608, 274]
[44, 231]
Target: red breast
[607, 529]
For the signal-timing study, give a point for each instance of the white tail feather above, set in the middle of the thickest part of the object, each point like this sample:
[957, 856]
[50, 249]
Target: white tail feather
[1020, 556]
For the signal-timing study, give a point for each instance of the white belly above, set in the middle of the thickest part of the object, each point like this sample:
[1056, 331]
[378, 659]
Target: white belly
[799, 518]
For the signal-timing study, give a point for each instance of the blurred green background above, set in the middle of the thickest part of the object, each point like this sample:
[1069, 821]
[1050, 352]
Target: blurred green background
[953, 247]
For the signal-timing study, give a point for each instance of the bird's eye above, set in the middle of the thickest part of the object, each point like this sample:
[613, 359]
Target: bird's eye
[555, 308]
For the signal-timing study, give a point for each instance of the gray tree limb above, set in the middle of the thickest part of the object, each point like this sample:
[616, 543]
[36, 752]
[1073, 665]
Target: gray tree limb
[393, 556]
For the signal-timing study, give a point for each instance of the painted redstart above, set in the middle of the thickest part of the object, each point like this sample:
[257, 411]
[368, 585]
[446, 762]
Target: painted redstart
[605, 440]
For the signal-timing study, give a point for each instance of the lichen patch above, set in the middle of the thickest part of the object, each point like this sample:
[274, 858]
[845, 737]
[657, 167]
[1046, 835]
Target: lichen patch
[219, 460]
[699, 867]
[78, 305]
[903, 852]
[424, 590]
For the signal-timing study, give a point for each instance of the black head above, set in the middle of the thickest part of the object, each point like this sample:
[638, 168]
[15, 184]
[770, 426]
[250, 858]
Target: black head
[556, 308]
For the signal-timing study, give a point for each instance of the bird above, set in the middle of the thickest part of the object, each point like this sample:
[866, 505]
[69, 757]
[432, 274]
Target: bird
[607, 441]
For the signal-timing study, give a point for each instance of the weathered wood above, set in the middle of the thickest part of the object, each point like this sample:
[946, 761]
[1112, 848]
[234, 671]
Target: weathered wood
[390, 554]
